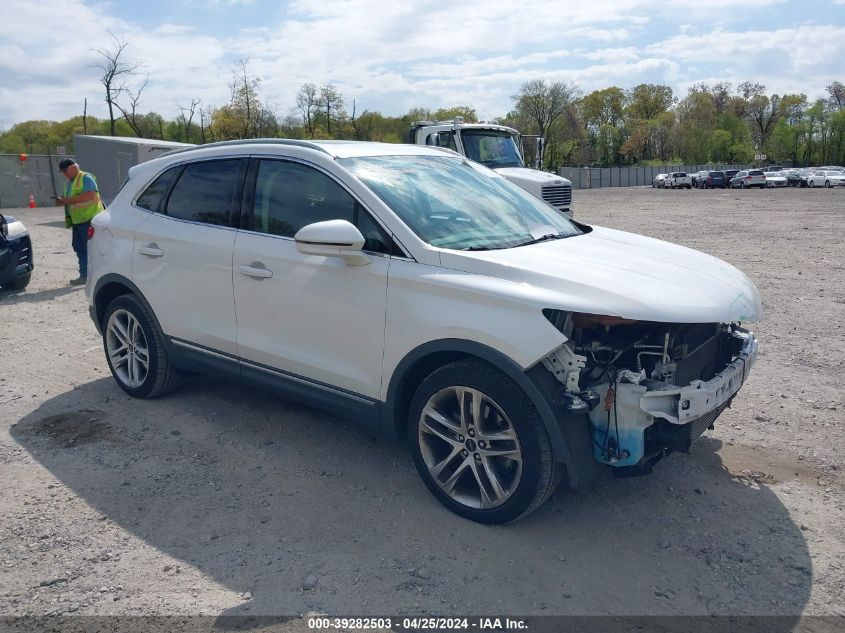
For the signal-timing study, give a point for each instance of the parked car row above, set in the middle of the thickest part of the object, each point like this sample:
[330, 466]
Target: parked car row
[815, 177]
[770, 177]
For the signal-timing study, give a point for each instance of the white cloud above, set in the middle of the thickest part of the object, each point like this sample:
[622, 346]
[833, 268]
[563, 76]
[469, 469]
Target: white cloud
[390, 56]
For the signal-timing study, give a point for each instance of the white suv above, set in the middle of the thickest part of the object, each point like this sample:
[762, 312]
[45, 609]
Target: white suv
[678, 180]
[422, 293]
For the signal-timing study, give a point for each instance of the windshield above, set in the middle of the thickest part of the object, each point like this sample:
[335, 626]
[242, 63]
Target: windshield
[491, 148]
[451, 203]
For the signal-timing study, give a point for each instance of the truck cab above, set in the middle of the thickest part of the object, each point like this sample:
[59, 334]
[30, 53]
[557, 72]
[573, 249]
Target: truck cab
[500, 148]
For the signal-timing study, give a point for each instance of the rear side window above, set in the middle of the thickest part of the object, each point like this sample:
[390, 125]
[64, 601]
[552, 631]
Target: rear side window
[206, 192]
[153, 195]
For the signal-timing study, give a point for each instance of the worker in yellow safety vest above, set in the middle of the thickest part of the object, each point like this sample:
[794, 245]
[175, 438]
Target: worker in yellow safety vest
[81, 201]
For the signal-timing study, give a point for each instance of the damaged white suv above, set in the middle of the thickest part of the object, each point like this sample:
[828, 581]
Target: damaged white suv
[424, 294]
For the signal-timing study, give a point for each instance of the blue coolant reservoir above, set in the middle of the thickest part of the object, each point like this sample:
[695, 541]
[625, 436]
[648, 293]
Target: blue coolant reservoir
[619, 428]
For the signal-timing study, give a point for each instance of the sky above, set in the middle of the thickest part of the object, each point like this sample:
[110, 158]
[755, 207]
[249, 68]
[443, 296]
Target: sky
[393, 55]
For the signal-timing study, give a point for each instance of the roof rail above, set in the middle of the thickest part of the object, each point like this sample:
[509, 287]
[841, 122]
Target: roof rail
[250, 141]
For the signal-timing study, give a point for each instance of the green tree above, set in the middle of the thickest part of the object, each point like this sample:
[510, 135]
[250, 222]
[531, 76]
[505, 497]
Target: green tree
[647, 101]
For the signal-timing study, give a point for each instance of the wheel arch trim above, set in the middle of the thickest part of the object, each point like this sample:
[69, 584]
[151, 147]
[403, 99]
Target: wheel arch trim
[98, 311]
[399, 392]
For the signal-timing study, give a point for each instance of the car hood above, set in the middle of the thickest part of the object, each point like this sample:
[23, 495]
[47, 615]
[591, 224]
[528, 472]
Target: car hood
[524, 174]
[621, 274]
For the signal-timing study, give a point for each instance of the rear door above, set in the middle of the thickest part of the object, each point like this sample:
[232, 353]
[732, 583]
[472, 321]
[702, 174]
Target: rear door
[182, 261]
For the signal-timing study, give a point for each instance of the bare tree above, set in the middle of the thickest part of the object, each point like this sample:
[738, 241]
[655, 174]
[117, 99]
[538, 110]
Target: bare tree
[130, 113]
[306, 103]
[544, 103]
[206, 116]
[330, 103]
[836, 90]
[115, 72]
[185, 121]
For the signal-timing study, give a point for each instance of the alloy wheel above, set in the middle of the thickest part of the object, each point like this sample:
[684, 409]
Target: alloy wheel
[470, 447]
[126, 346]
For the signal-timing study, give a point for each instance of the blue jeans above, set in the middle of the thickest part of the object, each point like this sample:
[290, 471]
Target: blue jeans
[80, 246]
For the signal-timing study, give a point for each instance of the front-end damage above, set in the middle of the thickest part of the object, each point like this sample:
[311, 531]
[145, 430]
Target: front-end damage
[648, 388]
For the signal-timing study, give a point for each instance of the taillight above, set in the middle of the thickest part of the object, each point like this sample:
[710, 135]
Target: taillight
[90, 231]
[748, 177]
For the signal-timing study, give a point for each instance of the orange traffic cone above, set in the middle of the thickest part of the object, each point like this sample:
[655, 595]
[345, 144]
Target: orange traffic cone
[31, 201]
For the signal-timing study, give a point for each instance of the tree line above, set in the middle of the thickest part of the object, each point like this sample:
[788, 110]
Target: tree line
[713, 123]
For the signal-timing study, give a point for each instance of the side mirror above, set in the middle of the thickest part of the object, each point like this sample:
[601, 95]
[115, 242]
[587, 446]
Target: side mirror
[333, 238]
[4, 227]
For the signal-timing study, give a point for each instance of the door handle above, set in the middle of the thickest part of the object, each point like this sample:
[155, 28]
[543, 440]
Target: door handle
[259, 272]
[151, 251]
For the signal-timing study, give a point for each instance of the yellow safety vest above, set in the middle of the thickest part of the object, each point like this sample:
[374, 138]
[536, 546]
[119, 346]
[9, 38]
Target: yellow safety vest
[81, 211]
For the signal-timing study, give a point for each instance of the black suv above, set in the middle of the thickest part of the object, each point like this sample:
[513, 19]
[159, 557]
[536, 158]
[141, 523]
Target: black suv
[729, 174]
[15, 254]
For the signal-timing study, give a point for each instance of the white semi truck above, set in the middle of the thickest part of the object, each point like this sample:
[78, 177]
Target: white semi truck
[500, 148]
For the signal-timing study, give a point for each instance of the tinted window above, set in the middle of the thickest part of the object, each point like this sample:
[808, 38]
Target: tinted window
[717, 174]
[755, 172]
[206, 192]
[289, 196]
[154, 194]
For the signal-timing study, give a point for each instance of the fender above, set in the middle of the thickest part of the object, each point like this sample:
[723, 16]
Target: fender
[530, 381]
[123, 281]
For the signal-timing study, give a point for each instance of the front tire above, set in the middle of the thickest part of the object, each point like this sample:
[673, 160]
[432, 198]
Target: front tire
[812, 184]
[135, 349]
[479, 444]
[827, 184]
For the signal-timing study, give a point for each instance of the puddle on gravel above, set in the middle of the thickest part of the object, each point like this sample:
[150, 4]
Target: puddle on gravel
[73, 428]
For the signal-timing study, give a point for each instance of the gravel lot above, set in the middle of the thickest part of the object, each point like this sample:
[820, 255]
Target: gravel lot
[222, 500]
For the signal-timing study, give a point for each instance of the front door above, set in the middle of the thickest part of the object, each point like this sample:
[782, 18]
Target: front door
[309, 317]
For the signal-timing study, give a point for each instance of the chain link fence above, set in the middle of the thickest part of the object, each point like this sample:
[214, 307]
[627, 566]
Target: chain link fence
[37, 176]
[595, 177]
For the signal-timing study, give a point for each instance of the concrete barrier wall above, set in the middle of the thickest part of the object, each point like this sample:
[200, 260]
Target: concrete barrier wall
[37, 176]
[595, 177]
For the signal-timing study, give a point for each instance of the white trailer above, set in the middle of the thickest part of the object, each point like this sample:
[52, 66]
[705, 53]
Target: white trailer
[110, 157]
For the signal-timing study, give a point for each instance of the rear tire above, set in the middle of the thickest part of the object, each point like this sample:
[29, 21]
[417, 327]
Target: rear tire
[19, 283]
[480, 445]
[827, 184]
[135, 349]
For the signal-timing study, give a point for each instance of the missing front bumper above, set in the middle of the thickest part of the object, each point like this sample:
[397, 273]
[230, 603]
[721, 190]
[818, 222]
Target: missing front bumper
[649, 420]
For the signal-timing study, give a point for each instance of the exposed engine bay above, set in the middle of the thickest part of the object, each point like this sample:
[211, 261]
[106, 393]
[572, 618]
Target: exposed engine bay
[648, 388]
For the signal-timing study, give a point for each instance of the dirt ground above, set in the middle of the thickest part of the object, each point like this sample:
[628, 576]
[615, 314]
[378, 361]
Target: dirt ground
[222, 500]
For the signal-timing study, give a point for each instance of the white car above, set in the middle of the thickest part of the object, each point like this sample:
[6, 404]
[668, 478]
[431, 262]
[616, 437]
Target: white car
[426, 295]
[659, 180]
[677, 180]
[826, 178]
[775, 179]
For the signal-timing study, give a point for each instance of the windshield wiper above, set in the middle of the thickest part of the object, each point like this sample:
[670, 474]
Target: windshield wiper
[479, 248]
[543, 238]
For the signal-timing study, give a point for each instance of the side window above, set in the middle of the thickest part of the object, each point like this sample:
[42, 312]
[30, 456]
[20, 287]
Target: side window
[447, 139]
[206, 192]
[153, 195]
[289, 196]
